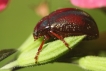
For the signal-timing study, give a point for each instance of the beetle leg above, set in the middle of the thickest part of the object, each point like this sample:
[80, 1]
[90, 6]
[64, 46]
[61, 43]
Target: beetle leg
[39, 50]
[46, 37]
[61, 38]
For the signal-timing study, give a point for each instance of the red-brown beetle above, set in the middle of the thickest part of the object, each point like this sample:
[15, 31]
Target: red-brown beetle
[63, 23]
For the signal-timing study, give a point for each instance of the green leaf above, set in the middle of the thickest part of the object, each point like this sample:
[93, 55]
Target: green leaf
[50, 51]
[5, 53]
[93, 63]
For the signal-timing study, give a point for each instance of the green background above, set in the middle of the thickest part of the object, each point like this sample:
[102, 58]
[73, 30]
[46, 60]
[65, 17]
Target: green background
[19, 19]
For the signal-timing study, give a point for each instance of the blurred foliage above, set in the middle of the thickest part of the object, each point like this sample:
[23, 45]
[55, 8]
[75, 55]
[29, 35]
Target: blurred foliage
[19, 19]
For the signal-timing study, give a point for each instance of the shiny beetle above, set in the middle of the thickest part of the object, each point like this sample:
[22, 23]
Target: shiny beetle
[63, 23]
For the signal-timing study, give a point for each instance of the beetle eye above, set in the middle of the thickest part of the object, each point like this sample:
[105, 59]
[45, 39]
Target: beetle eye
[35, 33]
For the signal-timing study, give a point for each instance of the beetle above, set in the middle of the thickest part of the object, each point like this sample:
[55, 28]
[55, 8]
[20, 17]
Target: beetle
[64, 23]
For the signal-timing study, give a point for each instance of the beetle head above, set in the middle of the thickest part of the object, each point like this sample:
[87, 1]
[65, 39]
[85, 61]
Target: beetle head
[39, 33]
[35, 34]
